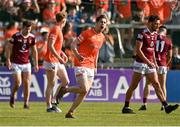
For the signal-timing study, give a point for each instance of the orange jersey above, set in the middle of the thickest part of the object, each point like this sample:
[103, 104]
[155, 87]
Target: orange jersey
[90, 43]
[56, 34]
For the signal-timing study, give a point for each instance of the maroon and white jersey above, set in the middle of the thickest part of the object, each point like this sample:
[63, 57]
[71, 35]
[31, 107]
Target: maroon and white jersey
[148, 41]
[163, 45]
[21, 45]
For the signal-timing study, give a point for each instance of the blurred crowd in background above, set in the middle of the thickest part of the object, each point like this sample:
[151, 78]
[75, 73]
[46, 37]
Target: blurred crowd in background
[81, 15]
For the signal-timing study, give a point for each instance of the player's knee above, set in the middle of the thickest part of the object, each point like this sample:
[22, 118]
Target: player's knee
[65, 82]
[84, 91]
[51, 84]
[17, 83]
[27, 82]
[156, 84]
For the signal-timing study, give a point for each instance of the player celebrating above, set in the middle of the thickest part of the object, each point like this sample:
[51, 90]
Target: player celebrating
[86, 48]
[145, 64]
[163, 58]
[17, 54]
[55, 59]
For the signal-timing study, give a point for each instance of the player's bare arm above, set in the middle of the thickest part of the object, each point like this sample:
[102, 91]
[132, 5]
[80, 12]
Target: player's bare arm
[8, 55]
[169, 57]
[75, 51]
[63, 55]
[35, 57]
[154, 59]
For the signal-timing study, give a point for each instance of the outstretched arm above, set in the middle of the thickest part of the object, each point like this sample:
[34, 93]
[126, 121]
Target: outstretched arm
[35, 57]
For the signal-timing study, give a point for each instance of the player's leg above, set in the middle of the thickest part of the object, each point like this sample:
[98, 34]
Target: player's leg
[26, 79]
[84, 77]
[51, 72]
[153, 78]
[136, 77]
[61, 90]
[85, 85]
[145, 95]
[17, 82]
[51, 78]
[63, 76]
[162, 80]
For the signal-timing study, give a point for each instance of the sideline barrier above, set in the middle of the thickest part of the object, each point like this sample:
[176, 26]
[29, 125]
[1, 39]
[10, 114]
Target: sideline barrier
[109, 85]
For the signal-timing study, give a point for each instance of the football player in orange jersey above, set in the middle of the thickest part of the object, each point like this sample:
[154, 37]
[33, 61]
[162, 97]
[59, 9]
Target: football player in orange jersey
[86, 49]
[54, 61]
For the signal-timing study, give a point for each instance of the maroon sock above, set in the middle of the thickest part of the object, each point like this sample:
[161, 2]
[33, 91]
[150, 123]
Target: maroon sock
[164, 103]
[144, 100]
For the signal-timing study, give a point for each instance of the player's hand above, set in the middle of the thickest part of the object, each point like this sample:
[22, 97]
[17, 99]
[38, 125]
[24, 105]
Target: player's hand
[9, 65]
[65, 58]
[62, 61]
[36, 68]
[95, 70]
[157, 67]
[151, 65]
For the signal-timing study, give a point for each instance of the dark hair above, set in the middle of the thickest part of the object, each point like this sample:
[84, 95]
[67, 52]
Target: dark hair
[66, 28]
[153, 18]
[27, 23]
[162, 28]
[60, 16]
[101, 17]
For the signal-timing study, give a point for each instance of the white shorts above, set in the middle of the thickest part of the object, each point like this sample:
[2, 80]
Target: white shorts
[18, 68]
[81, 71]
[53, 66]
[142, 68]
[162, 70]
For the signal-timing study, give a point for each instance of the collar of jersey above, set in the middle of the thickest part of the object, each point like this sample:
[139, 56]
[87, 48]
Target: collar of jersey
[147, 30]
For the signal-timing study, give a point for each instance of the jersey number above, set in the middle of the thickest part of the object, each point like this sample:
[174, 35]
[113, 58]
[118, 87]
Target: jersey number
[24, 47]
[160, 46]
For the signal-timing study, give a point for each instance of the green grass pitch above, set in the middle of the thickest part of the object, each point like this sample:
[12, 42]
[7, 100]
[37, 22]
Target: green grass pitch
[88, 114]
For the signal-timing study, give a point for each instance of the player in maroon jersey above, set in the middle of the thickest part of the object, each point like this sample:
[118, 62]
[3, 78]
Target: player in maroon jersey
[163, 57]
[17, 53]
[145, 64]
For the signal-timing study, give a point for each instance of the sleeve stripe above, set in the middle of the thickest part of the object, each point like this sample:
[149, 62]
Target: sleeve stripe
[80, 38]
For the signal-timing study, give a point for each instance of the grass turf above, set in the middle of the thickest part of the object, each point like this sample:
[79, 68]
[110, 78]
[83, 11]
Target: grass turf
[88, 114]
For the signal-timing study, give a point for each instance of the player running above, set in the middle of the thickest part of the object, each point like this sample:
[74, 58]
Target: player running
[86, 49]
